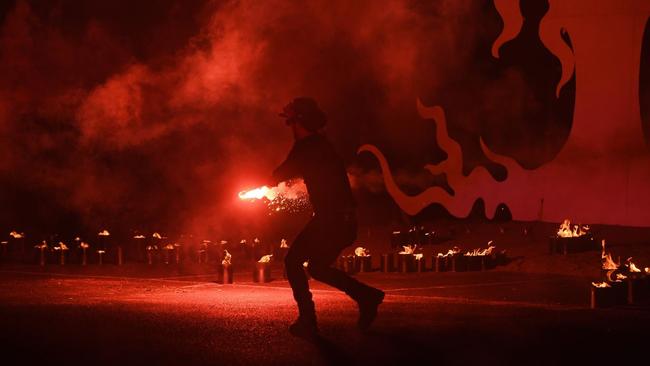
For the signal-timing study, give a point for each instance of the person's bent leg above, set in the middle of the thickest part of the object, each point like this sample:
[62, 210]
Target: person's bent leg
[368, 298]
[325, 273]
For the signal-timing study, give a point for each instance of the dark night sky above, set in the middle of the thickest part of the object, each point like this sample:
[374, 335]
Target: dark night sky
[145, 114]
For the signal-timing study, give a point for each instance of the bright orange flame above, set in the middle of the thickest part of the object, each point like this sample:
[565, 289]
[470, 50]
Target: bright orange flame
[227, 258]
[565, 230]
[608, 262]
[266, 258]
[408, 249]
[361, 252]
[478, 252]
[257, 194]
[286, 196]
[631, 266]
[451, 252]
[600, 284]
[16, 235]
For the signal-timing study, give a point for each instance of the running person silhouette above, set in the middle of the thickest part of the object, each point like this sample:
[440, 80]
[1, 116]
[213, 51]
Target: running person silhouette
[333, 225]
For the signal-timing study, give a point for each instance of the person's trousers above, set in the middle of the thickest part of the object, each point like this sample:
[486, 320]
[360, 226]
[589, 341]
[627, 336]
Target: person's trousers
[319, 244]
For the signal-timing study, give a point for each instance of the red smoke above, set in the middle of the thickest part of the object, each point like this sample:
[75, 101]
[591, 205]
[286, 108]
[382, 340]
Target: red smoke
[119, 119]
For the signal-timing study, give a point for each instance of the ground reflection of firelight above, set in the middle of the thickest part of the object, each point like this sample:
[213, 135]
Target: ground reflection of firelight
[285, 197]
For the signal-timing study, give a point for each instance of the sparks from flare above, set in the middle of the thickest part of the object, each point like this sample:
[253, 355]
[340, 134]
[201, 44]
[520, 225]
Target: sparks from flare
[286, 196]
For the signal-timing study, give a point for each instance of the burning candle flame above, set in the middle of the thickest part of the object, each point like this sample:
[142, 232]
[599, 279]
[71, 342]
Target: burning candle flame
[156, 236]
[61, 246]
[608, 262]
[361, 252]
[566, 230]
[266, 258]
[227, 258]
[104, 233]
[600, 284]
[478, 252]
[631, 266]
[16, 235]
[419, 256]
[139, 237]
[451, 252]
[283, 243]
[408, 249]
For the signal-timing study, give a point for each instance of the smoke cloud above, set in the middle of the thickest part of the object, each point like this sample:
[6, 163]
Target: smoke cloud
[114, 114]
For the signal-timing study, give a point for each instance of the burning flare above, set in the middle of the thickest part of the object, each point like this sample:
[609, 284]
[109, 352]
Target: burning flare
[104, 233]
[419, 256]
[266, 258]
[258, 194]
[138, 237]
[283, 243]
[227, 258]
[156, 236]
[361, 252]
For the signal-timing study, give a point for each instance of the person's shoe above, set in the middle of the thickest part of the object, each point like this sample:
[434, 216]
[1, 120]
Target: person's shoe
[368, 305]
[304, 328]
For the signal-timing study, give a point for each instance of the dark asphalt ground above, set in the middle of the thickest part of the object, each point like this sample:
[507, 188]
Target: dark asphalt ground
[83, 316]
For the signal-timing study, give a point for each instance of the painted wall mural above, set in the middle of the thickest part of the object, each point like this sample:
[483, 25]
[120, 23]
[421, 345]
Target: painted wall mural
[602, 173]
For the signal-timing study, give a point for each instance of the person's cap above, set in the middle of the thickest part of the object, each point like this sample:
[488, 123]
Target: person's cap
[304, 110]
